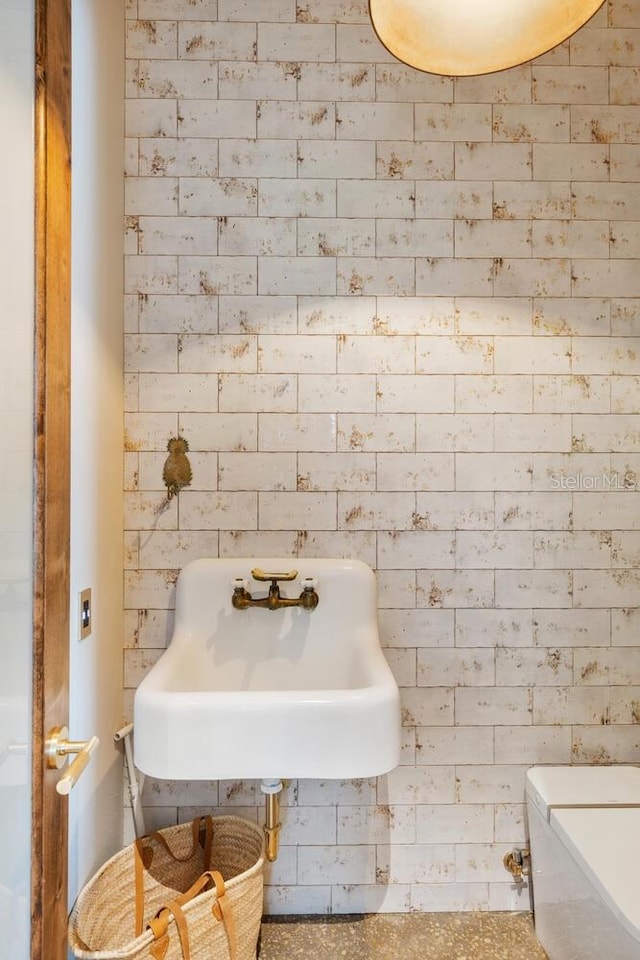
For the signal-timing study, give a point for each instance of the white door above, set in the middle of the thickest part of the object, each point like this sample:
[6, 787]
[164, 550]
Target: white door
[16, 489]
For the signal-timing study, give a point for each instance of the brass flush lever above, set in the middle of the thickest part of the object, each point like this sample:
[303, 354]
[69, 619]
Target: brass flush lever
[518, 863]
[57, 747]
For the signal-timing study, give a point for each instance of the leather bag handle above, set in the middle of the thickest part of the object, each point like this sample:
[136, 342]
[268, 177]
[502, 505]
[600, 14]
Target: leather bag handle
[143, 858]
[223, 911]
[220, 910]
[160, 925]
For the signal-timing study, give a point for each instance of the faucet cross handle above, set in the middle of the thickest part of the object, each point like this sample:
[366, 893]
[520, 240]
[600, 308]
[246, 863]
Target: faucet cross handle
[258, 574]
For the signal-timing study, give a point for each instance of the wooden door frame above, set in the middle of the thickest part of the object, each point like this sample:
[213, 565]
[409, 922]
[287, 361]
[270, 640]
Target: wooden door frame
[52, 122]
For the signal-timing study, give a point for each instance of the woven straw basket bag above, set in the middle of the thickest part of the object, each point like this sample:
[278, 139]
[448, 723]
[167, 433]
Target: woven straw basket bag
[189, 892]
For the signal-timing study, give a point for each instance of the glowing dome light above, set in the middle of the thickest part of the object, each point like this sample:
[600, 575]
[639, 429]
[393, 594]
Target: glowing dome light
[470, 37]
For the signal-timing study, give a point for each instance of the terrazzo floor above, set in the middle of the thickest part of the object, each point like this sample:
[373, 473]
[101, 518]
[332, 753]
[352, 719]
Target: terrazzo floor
[412, 936]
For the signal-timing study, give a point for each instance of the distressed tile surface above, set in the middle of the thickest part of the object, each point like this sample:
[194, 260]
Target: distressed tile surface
[396, 316]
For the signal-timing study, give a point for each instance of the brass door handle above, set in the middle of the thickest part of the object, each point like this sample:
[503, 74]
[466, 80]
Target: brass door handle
[57, 747]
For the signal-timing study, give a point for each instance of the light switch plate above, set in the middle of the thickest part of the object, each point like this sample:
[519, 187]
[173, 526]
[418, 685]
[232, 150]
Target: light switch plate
[85, 614]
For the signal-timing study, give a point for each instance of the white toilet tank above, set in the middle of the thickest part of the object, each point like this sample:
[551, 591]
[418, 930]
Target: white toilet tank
[584, 835]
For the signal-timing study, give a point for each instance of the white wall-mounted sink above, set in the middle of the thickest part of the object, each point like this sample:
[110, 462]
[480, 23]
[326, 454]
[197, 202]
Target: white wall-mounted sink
[257, 693]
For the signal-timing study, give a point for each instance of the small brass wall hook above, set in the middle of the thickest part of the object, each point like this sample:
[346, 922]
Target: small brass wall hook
[177, 469]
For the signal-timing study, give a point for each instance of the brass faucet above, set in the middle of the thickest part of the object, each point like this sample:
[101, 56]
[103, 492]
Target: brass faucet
[274, 600]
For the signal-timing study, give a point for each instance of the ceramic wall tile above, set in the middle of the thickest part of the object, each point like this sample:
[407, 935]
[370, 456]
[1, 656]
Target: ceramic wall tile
[210, 41]
[395, 316]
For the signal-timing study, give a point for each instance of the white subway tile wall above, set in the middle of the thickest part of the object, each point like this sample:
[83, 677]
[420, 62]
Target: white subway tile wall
[397, 317]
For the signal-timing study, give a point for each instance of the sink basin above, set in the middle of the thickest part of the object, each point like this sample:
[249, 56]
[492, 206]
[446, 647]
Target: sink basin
[261, 693]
